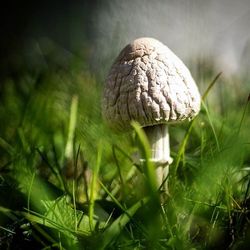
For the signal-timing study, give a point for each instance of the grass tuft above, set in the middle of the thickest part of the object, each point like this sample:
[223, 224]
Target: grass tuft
[68, 182]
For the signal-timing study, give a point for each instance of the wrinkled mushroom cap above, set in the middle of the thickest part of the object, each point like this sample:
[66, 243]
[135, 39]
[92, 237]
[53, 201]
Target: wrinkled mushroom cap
[149, 84]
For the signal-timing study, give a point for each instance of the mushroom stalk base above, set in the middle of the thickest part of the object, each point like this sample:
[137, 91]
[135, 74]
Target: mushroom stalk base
[158, 138]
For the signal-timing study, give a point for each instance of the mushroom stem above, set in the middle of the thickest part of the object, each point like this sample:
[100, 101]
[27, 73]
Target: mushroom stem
[158, 138]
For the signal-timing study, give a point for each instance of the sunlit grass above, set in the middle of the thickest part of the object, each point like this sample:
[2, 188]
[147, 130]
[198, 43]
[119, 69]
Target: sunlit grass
[68, 182]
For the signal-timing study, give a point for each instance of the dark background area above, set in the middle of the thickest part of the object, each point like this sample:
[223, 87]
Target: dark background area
[25, 22]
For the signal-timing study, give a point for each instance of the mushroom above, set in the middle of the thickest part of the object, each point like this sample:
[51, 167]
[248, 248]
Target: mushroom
[149, 84]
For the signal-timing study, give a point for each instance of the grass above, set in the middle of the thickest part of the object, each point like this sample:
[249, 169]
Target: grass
[68, 182]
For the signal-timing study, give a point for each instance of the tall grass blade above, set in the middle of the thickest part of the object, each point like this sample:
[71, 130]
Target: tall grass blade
[181, 151]
[93, 186]
[121, 206]
[112, 197]
[74, 186]
[243, 115]
[117, 148]
[112, 232]
[212, 126]
[148, 165]
[29, 191]
[118, 168]
[72, 126]
[6, 146]
[210, 86]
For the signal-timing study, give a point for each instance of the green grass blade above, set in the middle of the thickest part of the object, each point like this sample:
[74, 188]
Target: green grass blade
[93, 186]
[148, 165]
[244, 113]
[117, 148]
[212, 126]
[118, 168]
[29, 191]
[112, 197]
[112, 232]
[72, 126]
[210, 86]
[122, 207]
[74, 186]
[181, 151]
[6, 146]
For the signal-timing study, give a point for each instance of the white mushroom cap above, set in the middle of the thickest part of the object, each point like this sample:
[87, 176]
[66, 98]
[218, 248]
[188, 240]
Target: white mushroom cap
[149, 84]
